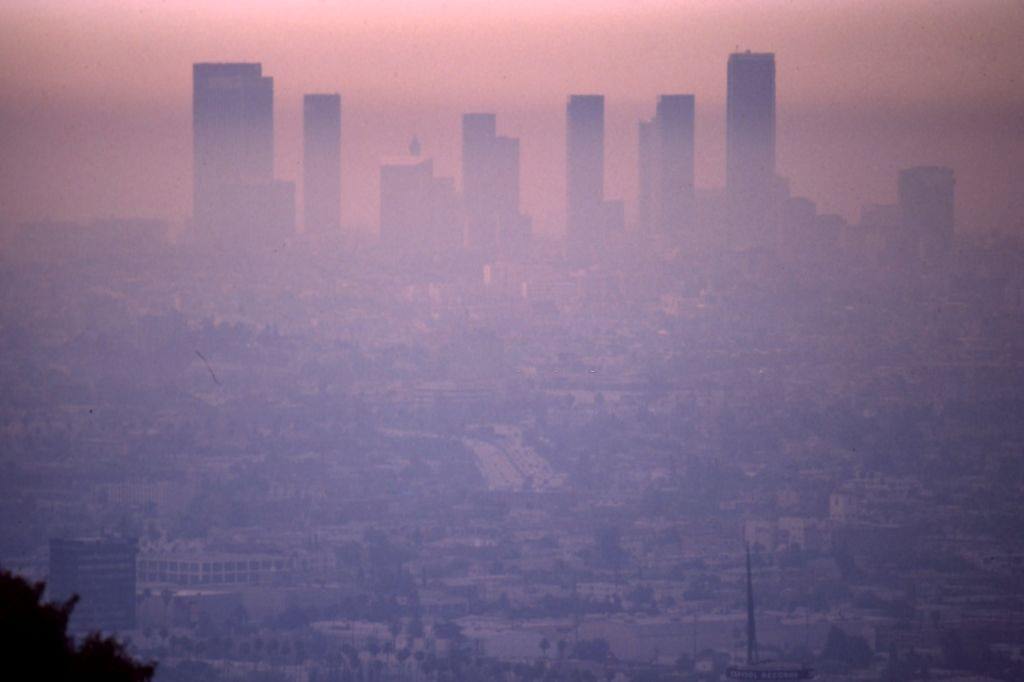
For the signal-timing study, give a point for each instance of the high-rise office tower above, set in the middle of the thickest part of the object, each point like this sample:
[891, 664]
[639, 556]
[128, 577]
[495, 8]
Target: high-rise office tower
[237, 201]
[101, 572]
[419, 213]
[584, 165]
[321, 163]
[926, 202]
[675, 131]
[750, 135]
[405, 191]
[647, 168]
[666, 161]
[478, 179]
[232, 133]
[490, 186]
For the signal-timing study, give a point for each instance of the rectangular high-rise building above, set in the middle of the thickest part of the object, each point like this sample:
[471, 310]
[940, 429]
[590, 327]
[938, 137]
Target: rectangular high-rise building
[675, 130]
[666, 162]
[584, 165]
[750, 134]
[419, 213]
[321, 163]
[490, 185]
[405, 201]
[647, 168]
[232, 133]
[926, 207]
[479, 181]
[101, 572]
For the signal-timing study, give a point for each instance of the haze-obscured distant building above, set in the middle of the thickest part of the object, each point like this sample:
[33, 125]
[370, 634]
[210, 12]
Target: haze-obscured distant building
[248, 214]
[233, 156]
[584, 164]
[666, 166]
[590, 220]
[419, 214]
[101, 571]
[647, 167]
[875, 237]
[490, 187]
[750, 139]
[321, 163]
[926, 201]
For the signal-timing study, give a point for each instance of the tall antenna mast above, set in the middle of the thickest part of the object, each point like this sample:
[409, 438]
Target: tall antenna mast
[754, 669]
[752, 657]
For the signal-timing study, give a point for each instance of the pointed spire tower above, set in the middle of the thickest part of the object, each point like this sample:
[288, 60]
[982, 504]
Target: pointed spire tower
[755, 668]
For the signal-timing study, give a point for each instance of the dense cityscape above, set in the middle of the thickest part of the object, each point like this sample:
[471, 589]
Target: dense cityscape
[261, 446]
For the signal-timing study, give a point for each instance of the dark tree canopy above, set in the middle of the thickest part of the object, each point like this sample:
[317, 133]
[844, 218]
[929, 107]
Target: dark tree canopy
[34, 641]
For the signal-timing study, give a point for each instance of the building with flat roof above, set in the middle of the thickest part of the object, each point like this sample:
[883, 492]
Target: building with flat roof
[101, 571]
[236, 199]
[490, 186]
[419, 213]
[926, 204]
[584, 165]
[232, 131]
[666, 166]
[750, 137]
[321, 163]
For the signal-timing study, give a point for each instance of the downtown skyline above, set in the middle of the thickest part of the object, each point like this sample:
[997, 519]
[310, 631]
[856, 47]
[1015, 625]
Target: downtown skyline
[443, 340]
[841, 141]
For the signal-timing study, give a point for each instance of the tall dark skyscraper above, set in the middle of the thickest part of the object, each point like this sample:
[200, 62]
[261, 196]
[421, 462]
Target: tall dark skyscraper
[321, 163]
[584, 165]
[102, 572]
[232, 133]
[237, 201]
[666, 162]
[490, 186]
[926, 202]
[750, 135]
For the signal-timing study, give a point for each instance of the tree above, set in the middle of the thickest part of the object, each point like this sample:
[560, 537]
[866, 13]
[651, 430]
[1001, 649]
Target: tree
[34, 639]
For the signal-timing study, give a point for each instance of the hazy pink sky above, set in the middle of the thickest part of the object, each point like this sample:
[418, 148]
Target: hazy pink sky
[95, 116]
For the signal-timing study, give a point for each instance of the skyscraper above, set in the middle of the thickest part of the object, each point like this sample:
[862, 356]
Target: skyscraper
[321, 162]
[405, 199]
[490, 185]
[750, 135]
[419, 213]
[478, 179]
[584, 165]
[926, 201]
[647, 167]
[102, 572]
[675, 131]
[666, 161]
[232, 133]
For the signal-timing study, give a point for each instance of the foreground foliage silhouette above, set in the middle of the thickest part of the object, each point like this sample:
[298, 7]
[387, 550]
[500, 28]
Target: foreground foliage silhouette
[34, 643]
